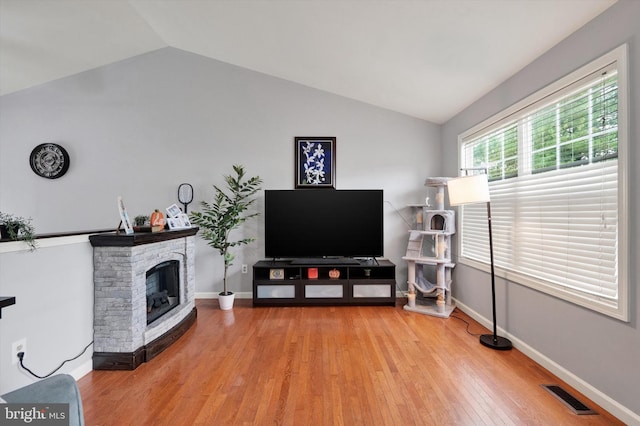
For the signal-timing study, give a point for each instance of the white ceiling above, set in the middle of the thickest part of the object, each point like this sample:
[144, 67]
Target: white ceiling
[425, 58]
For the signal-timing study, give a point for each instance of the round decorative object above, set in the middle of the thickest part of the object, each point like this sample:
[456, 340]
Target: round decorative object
[49, 160]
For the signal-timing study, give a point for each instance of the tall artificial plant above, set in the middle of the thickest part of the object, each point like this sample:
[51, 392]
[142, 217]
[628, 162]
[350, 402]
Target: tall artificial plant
[226, 213]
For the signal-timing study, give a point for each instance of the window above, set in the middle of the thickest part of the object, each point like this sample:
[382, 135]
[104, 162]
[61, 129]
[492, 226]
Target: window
[557, 170]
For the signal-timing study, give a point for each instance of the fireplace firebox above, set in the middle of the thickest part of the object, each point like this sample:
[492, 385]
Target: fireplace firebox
[163, 289]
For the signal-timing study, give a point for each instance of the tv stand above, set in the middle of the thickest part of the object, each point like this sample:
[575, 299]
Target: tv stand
[325, 261]
[324, 281]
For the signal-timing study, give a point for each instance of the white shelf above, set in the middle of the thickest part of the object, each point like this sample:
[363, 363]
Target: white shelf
[429, 307]
[430, 261]
[433, 232]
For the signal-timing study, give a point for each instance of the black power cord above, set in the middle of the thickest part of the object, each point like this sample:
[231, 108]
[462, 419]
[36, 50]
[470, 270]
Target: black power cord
[21, 358]
[468, 325]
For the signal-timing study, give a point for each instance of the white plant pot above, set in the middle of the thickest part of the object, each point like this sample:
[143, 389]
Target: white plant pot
[226, 301]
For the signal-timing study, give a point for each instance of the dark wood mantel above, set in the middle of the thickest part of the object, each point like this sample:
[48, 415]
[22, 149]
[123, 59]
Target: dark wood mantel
[120, 239]
[6, 301]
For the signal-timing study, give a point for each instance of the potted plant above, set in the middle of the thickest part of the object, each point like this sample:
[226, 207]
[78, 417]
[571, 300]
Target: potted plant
[17, 228]
[140, 220]
[226, 212]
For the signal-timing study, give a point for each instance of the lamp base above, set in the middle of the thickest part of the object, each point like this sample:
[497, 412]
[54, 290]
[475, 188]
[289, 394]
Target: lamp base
[496, 342]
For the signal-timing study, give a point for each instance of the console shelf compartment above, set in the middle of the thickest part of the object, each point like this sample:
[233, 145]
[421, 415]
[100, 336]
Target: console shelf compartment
[282, 283]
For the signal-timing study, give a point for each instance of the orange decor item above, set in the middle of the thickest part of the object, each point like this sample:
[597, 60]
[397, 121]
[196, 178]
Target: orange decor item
[334, 273]
[312, 273]
[157, 221]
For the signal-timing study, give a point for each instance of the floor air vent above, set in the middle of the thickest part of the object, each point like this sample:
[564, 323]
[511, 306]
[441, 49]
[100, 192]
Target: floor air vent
[569, 400]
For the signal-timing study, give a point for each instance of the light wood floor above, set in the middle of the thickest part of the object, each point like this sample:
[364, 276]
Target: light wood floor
[329, 366]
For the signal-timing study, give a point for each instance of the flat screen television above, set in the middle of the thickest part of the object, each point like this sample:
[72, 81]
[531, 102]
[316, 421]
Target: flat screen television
[323, 223]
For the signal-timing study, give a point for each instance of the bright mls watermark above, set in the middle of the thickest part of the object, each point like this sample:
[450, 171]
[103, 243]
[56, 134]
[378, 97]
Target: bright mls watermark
[34, 414]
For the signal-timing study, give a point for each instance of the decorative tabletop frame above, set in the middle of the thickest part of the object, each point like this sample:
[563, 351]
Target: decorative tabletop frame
[315, 162]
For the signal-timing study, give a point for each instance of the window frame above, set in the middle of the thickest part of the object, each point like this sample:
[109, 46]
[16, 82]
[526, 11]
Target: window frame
[556, 90]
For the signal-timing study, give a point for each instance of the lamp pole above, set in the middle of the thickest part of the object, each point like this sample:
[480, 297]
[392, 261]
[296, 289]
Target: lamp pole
[493, 341]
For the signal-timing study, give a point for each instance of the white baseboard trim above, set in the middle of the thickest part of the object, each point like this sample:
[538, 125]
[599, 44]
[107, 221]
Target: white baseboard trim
[615, 408]
[214, 295]
[82, 370]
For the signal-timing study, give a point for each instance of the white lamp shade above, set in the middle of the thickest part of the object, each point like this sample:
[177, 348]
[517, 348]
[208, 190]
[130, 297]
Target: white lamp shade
[468, 190]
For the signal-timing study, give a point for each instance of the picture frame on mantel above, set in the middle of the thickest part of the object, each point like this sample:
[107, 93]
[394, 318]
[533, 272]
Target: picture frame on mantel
[315, 162]
[124, 218]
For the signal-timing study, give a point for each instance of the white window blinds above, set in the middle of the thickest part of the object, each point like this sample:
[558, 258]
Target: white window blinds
[556, 197]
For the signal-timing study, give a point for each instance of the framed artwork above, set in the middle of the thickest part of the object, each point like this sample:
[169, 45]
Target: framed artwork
[180, 221]
[173, 210]
[185, 220]
[315, 162]
[124, 218]
[174, 223]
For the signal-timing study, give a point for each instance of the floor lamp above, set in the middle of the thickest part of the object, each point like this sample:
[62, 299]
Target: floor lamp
[472, 190]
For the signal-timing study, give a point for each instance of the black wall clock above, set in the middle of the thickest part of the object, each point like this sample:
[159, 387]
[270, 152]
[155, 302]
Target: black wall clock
[49, 160]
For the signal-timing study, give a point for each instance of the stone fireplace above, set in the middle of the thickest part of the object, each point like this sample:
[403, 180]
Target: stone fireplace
[144, 295]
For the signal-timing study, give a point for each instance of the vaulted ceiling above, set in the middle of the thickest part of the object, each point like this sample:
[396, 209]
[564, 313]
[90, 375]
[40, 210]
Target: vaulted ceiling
[425, 58]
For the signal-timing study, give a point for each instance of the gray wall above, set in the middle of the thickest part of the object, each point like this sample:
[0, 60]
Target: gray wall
[601, 351]
[53, 287]
[140, 127]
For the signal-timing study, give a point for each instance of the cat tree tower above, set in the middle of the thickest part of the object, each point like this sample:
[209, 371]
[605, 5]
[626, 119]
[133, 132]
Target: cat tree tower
[429, 249]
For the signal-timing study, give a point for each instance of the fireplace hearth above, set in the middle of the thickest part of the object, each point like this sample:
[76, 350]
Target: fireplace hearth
[144, 295]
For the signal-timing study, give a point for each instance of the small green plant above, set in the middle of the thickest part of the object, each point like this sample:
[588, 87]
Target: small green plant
[140, 220]
[18, 228]
[226, 213]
